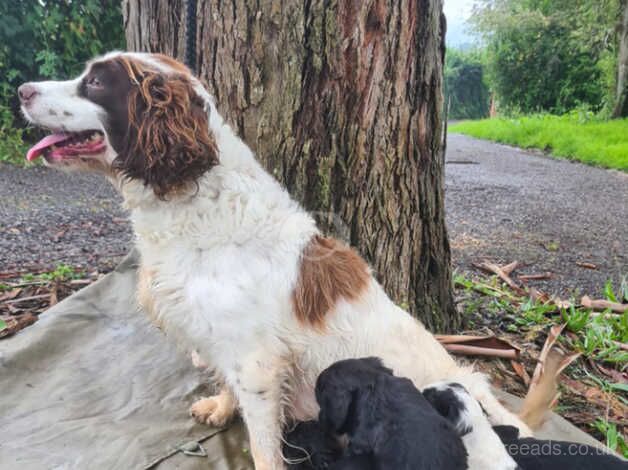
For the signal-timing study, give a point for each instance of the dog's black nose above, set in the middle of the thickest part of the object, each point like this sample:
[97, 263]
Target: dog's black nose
[26, 92]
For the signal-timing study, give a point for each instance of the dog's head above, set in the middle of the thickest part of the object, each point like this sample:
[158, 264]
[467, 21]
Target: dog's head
[141, 116]
[340, 385]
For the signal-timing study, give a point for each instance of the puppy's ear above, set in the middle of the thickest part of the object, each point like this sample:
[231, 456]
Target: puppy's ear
[168, 143]
[449, 406]
[334, 412]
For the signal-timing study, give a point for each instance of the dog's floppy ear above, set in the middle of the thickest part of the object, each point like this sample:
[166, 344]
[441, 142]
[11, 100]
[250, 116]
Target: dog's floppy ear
[334, 412]
[168, 143]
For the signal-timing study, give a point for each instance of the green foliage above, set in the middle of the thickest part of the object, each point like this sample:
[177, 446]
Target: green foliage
[578, 136]
[465, 89]
[595, 336]
[614, 439]
[549, 55]
[48, 39]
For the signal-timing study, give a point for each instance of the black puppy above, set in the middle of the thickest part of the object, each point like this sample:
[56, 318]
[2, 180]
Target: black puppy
[386, 419]
[535, 454]
[309, 447]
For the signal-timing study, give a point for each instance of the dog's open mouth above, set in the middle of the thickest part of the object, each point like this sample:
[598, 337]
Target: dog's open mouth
[58, 146]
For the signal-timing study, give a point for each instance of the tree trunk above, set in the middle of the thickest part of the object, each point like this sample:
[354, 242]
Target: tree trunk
[342, 102]
[621, 105]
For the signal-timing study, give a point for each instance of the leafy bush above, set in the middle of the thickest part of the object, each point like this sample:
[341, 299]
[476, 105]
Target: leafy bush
[465, 89]
[42, 39]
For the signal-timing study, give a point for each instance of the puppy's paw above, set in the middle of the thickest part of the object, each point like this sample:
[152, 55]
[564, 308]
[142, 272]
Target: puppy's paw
[215, 411]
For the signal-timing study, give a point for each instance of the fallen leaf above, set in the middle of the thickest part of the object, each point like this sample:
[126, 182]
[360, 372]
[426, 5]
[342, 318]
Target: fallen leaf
[521, 371]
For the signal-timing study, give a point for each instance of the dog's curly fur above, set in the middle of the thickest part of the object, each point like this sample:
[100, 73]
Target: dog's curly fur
[222, 248]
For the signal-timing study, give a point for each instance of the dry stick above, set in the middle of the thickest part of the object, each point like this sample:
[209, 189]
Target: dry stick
[454, 339]
[587, 302]
[586, 265]
[479, 351]
[623, 346]
[25, 299]
[532, 277]
[503, 272]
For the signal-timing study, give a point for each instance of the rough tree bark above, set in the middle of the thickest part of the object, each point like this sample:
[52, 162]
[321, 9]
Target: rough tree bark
[341, 100]
[621, 100]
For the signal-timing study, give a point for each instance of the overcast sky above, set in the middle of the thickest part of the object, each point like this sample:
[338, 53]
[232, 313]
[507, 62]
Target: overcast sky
[457, 11]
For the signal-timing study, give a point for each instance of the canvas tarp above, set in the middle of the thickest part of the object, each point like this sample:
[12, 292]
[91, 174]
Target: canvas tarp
[94, 385]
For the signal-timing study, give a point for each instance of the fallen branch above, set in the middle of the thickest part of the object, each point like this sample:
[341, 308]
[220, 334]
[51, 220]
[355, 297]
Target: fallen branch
[600, 304]
[503, 272]
[490, 346]
[623, 346]
[25, 299]
[16, 323]
[480, 351]
[585, 265]
[535, 277]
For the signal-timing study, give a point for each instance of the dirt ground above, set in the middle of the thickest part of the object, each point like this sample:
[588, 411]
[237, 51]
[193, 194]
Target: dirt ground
[503, 204]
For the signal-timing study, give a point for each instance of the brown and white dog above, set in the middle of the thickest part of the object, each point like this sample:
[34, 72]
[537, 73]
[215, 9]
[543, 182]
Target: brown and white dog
[231, 265]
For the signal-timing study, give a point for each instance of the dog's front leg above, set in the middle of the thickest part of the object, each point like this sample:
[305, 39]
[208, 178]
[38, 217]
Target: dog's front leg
[216, 410]
[259, 395]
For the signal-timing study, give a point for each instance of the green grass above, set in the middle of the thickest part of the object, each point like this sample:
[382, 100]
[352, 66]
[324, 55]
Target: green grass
[574, 136]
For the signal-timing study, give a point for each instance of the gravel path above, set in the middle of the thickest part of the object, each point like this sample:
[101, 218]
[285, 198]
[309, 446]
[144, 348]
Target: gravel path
[48, 217]
[506, 204]
[503, 204]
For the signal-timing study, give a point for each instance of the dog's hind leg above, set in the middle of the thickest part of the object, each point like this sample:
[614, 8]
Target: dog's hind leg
[478, 386]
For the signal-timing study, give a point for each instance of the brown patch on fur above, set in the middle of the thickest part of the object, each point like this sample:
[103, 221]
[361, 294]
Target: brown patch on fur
[330, 270]
[168, 143]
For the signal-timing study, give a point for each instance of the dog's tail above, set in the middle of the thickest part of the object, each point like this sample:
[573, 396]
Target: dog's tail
[543, 393]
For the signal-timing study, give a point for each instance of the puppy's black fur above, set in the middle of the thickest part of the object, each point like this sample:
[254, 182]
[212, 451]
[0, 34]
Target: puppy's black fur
[309, 447]
[535, 454]
[387, 417]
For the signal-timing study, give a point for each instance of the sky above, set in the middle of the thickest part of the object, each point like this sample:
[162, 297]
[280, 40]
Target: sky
[457, 11]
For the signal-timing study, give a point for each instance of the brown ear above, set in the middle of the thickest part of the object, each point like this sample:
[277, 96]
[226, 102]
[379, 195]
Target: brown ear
[168, 144]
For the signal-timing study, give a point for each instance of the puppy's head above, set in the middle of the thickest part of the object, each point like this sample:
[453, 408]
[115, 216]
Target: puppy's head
[453, 402]
[309, 446]
[340, 385]
[140, 116]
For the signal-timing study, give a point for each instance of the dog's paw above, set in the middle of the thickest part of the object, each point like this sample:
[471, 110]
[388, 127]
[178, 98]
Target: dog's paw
[215, 411]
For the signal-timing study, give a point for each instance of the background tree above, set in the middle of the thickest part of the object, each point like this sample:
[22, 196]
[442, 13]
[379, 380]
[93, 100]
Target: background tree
[466, 92]
[550, 55]
[342, 103]
[621, 101]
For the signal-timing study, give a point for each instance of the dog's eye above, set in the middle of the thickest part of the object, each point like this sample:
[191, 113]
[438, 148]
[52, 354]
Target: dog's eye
[93, 82]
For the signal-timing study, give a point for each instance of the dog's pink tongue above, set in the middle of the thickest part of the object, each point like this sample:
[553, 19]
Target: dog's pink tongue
[37, 149]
